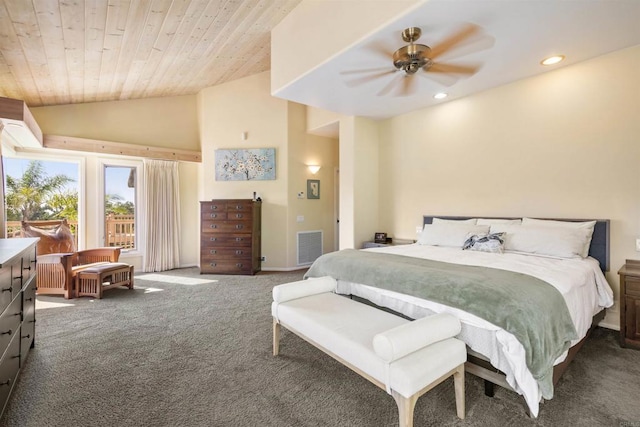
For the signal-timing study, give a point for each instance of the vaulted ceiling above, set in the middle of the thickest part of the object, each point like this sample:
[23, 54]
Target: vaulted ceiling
[73, 51]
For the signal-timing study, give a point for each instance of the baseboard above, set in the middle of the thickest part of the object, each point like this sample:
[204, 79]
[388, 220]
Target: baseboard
[607, 325]
[304, 267]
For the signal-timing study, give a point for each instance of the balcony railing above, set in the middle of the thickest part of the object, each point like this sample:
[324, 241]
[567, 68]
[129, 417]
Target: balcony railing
[119, 230]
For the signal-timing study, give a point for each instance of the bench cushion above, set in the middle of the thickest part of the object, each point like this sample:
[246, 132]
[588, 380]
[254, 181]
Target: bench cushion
[105, 267]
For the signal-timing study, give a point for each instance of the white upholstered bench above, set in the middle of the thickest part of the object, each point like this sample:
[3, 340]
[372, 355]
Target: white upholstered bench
[406, 358]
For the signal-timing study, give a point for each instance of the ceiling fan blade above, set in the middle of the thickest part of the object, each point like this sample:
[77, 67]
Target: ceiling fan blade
[473, 45]
[408, 85]
[365, 79]
[453, 40]
[453, 68]
[389, 86]
[367, 70]
[443, 79]
[380, 50]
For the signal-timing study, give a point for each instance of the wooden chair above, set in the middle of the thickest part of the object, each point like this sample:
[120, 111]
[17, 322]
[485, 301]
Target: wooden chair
[57, 258]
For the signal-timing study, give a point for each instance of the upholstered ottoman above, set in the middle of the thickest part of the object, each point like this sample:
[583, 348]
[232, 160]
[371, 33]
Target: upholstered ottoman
[94, 280]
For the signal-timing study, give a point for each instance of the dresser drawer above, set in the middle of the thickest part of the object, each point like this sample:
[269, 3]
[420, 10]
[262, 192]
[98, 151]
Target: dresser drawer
[213, 207]
[28, 264]
[233, 240]
[239, 206]
[10, 321]
[632, 286]
[6, 287]
[226, 226]
[226, 266]
[226, 253]
[9, 367]
[213, 215]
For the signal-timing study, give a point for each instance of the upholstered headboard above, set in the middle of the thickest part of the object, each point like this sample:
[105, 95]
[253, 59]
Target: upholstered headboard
[599, 248]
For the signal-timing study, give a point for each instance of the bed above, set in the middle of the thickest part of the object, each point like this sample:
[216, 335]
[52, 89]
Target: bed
[436, 275]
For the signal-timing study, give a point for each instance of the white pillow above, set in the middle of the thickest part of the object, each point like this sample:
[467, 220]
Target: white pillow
[586, 225]
[550, 241]
[453, 221]
[491, 221]
[449, 234]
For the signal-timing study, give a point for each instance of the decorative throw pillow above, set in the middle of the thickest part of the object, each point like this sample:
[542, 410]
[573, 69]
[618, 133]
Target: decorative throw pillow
[493, 243]
[52, 241]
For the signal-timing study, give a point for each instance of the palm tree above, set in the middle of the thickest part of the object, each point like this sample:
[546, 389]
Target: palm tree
[30, 197]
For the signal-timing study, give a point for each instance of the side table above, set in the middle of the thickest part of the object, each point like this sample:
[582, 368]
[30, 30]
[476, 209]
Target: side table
[630, 304]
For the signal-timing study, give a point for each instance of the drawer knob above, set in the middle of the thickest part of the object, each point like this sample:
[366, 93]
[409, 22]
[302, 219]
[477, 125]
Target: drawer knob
[213, 226]
[239, 216]
[239, 265]
[238, 207]
[212, 264]
[27, 268]
[9, 332]
[6, 289]
[239, 227]
[239, 239]
[213, 251]
[213, 239]
[27, 336]
[214, 207]
[7, 382]
[28, 299]
[214, 215]
[239, 252]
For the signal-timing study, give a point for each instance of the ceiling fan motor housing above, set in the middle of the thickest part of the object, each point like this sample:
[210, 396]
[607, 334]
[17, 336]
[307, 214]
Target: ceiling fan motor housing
[412, 57]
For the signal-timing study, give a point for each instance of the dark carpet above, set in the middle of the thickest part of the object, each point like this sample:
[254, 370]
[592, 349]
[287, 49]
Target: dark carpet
[185, 349]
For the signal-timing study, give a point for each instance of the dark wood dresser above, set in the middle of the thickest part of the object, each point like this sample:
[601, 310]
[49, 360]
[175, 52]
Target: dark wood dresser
[17, 308]
[230, 231]
[630, 304]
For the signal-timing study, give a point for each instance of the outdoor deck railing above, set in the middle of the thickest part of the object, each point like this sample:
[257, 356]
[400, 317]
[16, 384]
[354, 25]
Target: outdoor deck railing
[119, 230]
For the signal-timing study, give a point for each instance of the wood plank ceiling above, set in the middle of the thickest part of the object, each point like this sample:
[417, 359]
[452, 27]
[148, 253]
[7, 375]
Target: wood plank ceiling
[73, 51]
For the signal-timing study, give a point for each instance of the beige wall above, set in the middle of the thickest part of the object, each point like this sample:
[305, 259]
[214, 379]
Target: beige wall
[318, 214]
[563, 144]
[246, 105]
[169, 122]
[226, 111]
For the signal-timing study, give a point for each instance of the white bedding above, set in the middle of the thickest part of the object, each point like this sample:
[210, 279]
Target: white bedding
[580, 281]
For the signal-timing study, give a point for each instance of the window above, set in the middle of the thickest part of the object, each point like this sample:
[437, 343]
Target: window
[40, 189]
[120, 184]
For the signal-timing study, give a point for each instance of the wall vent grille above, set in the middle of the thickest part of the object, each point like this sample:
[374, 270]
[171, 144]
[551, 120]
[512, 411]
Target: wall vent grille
[309, 246]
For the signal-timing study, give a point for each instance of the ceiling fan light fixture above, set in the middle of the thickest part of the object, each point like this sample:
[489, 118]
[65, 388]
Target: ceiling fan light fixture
[552, 60]
[440, 95]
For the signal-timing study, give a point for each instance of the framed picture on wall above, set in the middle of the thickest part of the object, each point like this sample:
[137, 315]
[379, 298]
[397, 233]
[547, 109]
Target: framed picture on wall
[313, 189]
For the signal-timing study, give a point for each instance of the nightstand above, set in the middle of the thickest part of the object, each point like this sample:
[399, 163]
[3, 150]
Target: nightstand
[395, 242]
[630, 304]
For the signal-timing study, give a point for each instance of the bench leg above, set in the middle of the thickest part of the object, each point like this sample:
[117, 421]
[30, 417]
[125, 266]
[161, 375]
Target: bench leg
[276, 337]
[406, 407]
[458, 380]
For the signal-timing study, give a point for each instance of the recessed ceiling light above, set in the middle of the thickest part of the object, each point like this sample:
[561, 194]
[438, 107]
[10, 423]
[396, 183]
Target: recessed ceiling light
[552, 60]
[440, 95]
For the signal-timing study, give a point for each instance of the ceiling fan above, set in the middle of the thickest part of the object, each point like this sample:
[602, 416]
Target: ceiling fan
[421, 59]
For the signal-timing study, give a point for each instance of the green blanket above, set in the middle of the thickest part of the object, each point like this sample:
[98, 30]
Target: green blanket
[529, 308]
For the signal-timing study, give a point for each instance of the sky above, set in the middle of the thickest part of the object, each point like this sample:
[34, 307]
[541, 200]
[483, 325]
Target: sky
[115, 182]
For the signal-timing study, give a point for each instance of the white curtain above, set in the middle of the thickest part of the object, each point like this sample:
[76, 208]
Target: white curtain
[162, 215]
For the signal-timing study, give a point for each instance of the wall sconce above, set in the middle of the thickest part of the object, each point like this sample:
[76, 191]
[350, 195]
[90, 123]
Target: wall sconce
[313, 168]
